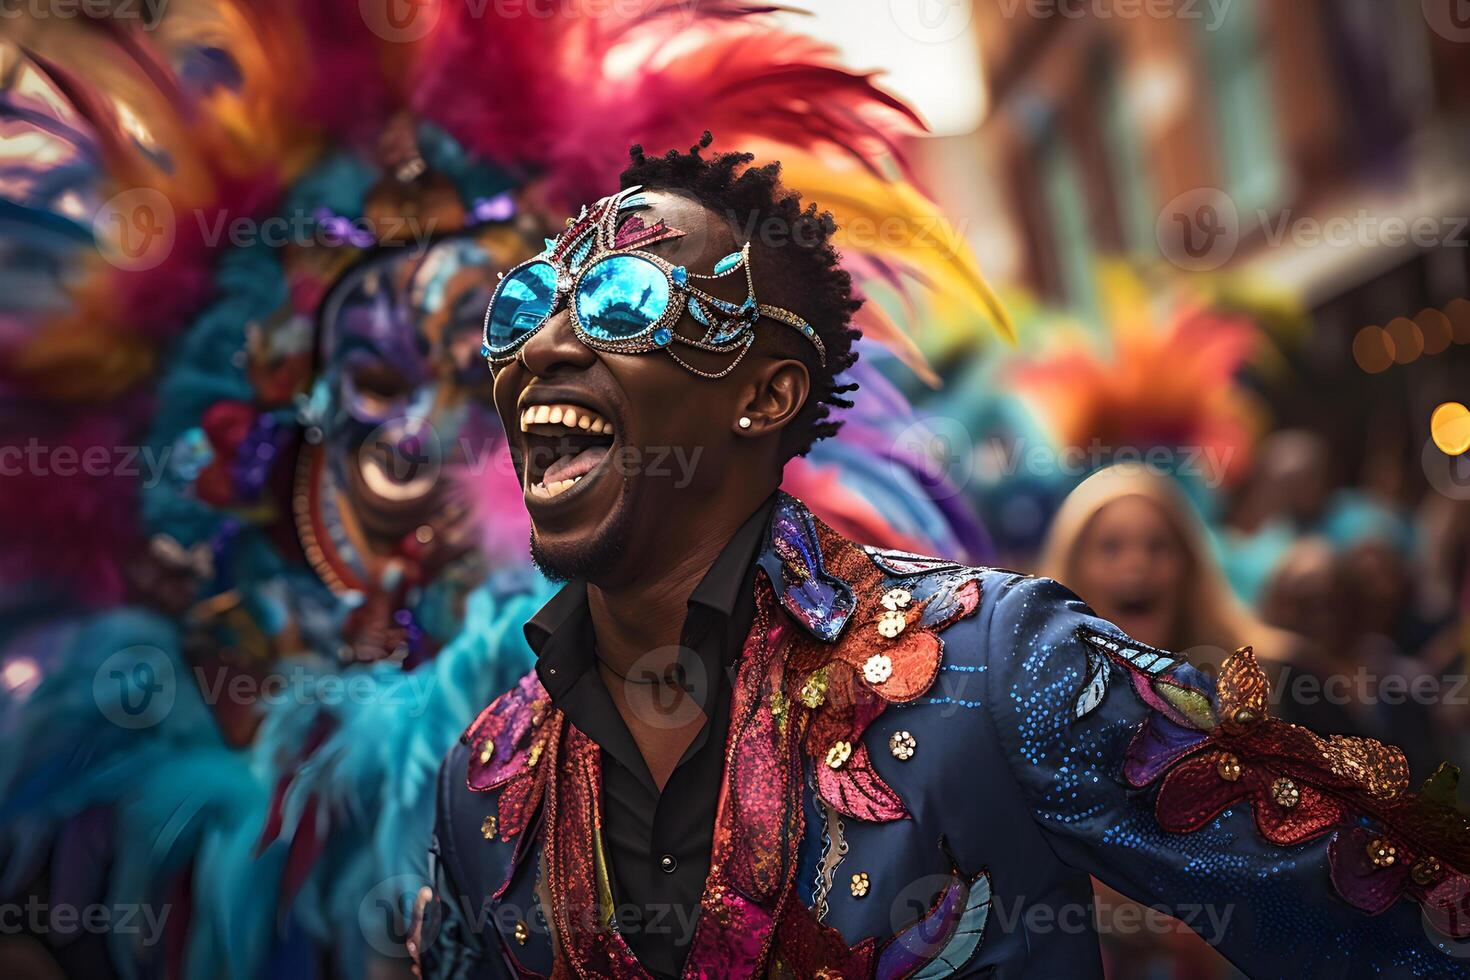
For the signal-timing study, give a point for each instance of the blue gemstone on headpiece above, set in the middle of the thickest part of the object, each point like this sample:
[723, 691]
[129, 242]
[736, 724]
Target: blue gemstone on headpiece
[680, 274]
[550, 243]
[484, 350]
[727, 263]
[729, 332]
[748, 305]
[583, 250]
[662, 336]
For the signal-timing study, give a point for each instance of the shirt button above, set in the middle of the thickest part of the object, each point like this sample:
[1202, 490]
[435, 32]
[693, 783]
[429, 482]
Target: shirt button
[668, 863]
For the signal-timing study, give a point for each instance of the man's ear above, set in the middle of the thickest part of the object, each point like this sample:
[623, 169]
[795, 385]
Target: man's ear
[773, 393]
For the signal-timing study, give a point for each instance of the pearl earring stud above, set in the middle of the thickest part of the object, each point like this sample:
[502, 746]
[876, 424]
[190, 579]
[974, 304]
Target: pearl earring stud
[744, 422]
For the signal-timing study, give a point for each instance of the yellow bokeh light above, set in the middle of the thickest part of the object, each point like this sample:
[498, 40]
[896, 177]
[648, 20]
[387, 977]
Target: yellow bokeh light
[1450, 428]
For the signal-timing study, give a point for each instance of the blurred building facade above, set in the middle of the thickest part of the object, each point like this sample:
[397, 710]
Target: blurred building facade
[1317, 147]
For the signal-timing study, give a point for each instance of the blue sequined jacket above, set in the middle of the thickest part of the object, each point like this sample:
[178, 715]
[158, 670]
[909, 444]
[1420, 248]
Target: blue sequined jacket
[949, 827]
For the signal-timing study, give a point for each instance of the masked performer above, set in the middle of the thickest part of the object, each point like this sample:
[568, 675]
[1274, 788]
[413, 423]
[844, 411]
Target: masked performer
[753, 747]
[259, 565]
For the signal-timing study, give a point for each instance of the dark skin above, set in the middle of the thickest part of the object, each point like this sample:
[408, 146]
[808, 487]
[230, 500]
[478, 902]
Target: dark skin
[670, 523]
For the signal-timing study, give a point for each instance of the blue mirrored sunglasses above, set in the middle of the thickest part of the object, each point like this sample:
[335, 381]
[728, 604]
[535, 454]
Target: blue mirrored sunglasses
[628, 303]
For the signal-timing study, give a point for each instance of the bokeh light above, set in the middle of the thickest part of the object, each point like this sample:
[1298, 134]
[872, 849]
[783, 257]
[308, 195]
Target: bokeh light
[1408, 342]
[1450, 428]
[1373, 350]
[1458, 311]
[1436, 329]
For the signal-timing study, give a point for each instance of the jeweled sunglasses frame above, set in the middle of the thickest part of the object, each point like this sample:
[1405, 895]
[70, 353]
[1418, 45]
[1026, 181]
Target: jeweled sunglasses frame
[728, 327]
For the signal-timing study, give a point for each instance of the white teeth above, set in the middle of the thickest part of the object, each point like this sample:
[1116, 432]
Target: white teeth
[551, 490]
[570, 416]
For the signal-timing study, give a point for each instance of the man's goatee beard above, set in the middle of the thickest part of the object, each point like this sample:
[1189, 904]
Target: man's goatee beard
[587, 560]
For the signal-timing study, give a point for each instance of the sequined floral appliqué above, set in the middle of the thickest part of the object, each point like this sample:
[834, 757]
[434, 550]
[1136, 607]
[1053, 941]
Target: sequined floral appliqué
[1207, 754]
[887, 651]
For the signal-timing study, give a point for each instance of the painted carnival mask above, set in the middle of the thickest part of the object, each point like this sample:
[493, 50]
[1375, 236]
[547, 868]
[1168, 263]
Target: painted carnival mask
[401, 402]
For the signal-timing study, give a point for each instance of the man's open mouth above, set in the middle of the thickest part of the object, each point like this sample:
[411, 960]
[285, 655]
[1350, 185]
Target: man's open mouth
[564, 444]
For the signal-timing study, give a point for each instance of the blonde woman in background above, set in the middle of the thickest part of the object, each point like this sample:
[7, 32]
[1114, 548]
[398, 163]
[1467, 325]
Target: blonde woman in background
[1129, 544]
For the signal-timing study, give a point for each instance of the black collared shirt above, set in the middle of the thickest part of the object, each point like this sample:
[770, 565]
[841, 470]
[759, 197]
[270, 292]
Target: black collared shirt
[658, 846]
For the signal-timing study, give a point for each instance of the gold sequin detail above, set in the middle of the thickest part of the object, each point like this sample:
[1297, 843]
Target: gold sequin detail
[1382, 853]
[892, 623]
[1243, 690]
[1228, 766]
[1426, 871]
[522, 932]
[814, 691]
[839, 753]
[1380, 769]
[487, 751]
[535, 755]
[487, 828]
[877, 669]
[1285, 793]
[896, 598]
[902, 745]
[779, 706]
[860, 884]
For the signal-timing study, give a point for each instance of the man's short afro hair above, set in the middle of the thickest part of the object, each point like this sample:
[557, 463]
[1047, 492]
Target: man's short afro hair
[792, 260]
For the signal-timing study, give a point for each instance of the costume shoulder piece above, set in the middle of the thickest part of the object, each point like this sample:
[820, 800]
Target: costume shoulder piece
[873, 617]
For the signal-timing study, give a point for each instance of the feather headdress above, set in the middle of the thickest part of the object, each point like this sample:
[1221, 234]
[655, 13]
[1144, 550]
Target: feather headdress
[170, 132]
[1164, 376]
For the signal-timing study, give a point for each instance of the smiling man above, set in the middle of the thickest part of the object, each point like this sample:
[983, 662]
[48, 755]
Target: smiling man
[751, 747]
